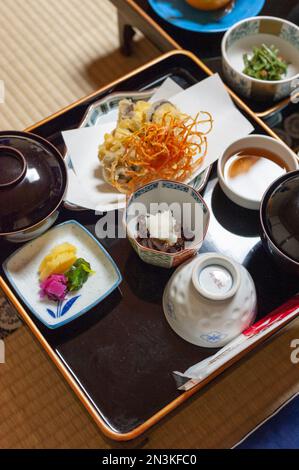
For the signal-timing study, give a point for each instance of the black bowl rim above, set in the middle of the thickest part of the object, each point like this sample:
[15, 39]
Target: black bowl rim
[273, 186]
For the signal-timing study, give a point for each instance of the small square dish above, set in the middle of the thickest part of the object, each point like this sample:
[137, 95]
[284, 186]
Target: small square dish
[21, 269]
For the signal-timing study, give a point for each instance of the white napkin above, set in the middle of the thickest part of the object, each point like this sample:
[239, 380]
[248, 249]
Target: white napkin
[86, 181]
[87, 187]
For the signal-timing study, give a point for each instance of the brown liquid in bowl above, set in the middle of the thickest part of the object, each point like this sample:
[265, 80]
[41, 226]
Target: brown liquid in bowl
[250, 171]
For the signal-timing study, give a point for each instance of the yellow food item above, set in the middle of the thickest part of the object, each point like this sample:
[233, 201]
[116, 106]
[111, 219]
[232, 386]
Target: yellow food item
[59, 260]
[132, 115]
[208, 4]
[64, 247]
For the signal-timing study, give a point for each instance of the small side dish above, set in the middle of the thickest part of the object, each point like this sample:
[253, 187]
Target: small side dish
[265, 63]
[260, 57]
[151, 141]
[249, 165]
[166, 222]
[62, 274]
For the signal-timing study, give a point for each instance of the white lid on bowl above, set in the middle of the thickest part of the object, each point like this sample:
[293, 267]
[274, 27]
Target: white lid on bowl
[216, 277]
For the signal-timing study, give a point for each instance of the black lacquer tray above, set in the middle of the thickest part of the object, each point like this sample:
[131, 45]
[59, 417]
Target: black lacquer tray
[119, 357]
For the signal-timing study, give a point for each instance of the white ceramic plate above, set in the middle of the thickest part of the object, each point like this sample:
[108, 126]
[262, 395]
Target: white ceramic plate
[21, 269]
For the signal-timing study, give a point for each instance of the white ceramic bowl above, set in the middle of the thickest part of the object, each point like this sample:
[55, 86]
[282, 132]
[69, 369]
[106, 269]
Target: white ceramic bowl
[210, 300]
[185, 203]
[242, 37]
[254, 141]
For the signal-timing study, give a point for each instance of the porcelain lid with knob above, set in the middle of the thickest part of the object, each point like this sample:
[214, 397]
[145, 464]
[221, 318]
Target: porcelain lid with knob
[210, 300]
[33, 180]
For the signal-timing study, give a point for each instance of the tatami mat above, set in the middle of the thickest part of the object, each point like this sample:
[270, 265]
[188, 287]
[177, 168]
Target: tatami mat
[53, 52]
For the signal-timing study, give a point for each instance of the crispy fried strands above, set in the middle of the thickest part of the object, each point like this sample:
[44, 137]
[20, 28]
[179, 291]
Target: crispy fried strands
[164, 150]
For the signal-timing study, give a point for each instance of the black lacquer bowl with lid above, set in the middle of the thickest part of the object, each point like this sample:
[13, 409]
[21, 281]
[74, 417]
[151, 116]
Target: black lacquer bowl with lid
[33, 180]
[279, 214]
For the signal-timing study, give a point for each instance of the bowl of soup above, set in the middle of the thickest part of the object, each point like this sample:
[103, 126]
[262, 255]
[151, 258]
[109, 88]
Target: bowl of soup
[249, 165]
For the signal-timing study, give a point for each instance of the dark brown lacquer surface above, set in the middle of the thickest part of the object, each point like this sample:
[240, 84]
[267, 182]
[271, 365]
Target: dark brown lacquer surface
[32, 180]
[122, 353]
[280, 220]
[282, 213]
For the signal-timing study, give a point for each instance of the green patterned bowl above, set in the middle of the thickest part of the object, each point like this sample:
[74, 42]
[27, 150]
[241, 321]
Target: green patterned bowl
[246, 34]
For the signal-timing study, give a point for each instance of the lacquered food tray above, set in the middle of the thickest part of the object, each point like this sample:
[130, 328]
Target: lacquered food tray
[119, 357]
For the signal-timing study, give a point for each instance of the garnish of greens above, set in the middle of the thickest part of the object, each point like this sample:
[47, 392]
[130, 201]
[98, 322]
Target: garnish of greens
[265, 64]
[78, 274]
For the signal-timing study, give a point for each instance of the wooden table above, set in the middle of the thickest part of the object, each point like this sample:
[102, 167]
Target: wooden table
[138, 14]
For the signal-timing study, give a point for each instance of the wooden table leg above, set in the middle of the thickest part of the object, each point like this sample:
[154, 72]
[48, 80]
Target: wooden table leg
[126, 34]
[131, 18]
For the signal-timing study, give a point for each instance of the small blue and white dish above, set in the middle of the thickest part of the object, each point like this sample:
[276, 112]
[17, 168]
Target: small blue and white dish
[21, 269]
[241, 39]
[182, 15]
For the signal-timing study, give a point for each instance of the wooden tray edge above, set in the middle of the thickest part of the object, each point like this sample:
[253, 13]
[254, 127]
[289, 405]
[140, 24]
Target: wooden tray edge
[136, 432]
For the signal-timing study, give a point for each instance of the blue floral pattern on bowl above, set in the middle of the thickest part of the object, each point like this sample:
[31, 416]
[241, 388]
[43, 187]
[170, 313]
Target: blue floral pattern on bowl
[213, 337]
[241, 84]
[242, 37]
[244, 29]
[62, 307]
[169, 193]
[290, 34]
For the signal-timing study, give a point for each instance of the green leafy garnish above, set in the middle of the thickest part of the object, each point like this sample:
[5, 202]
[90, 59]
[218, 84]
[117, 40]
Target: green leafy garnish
[265, 64]
[78, 274]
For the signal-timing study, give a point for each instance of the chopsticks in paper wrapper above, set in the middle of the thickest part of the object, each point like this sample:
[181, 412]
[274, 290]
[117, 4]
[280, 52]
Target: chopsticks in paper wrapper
[200, 371]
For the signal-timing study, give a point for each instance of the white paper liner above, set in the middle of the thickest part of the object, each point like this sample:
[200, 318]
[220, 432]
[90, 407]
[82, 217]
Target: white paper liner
[87, 187]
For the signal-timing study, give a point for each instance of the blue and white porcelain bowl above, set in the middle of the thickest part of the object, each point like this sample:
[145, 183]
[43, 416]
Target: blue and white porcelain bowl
[21, 269]
[246, 34]
[210, 300]
[186, 205]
